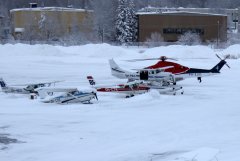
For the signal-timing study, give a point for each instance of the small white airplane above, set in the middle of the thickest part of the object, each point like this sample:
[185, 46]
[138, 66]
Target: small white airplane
[65, 95]
[157, 75]
[129, 89]
[27, 89]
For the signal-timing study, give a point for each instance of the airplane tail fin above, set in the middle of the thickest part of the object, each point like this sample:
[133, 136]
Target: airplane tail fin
[218, 67]
[2, 83]
[91, 80]
[116, 70]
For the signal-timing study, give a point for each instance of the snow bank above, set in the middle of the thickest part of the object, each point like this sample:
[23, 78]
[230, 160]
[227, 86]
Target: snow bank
[233, 51]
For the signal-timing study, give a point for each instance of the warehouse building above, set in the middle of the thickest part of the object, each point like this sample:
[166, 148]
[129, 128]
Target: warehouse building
[49, 23]
[232, 14]
[171, 25]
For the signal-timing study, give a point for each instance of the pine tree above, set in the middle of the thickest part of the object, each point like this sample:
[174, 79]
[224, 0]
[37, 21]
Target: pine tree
[133, 22]
[126, 22]
[120, 26]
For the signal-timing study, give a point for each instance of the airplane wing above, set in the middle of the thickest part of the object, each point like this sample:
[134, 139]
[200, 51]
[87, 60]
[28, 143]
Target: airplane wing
[137, 82]
[49, 89]
[35, 84]
[43, 91]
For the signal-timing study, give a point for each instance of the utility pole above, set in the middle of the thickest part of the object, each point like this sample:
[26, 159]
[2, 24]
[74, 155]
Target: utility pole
[102, 35]
[218, 33]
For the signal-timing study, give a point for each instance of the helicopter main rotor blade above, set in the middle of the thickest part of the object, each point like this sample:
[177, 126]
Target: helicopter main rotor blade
[135, 60]
[172, 59]
[163, 58]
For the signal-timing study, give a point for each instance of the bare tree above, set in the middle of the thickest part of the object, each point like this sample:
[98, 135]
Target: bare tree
[104, 19]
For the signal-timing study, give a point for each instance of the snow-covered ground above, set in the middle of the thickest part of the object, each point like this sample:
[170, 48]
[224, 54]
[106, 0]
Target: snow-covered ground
[143, 128]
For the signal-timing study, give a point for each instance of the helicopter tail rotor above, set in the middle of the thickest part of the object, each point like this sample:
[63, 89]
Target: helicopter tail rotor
[226, 57]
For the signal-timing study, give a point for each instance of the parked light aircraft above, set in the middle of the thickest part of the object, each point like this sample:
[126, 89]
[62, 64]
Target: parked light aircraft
[24, 88]
[65, 95]
[129, 89]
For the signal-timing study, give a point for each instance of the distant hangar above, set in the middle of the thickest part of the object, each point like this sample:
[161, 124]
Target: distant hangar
[171, 25]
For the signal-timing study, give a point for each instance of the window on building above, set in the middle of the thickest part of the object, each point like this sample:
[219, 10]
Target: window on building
[183, 30]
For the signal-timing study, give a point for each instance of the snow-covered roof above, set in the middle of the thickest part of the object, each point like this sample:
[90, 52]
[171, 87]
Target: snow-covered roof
[50, 9]
[212, 11]
[179, 13]
[206, 10]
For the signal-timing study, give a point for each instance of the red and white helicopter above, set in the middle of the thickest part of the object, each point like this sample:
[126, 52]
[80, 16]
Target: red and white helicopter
[182, 72]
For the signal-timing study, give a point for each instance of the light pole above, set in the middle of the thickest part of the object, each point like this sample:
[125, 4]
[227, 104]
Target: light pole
[218, 33]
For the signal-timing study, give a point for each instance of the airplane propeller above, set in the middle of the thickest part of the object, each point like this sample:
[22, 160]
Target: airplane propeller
[162, 58]
[226, 57]
[95, 95]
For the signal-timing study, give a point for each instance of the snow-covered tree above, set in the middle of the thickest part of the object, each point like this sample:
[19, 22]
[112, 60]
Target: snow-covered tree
[133, 21]
[126, 22]
[155, 39]
[190, 38]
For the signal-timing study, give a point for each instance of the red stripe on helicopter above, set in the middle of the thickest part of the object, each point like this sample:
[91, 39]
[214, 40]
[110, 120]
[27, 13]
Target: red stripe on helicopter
[176, 69]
